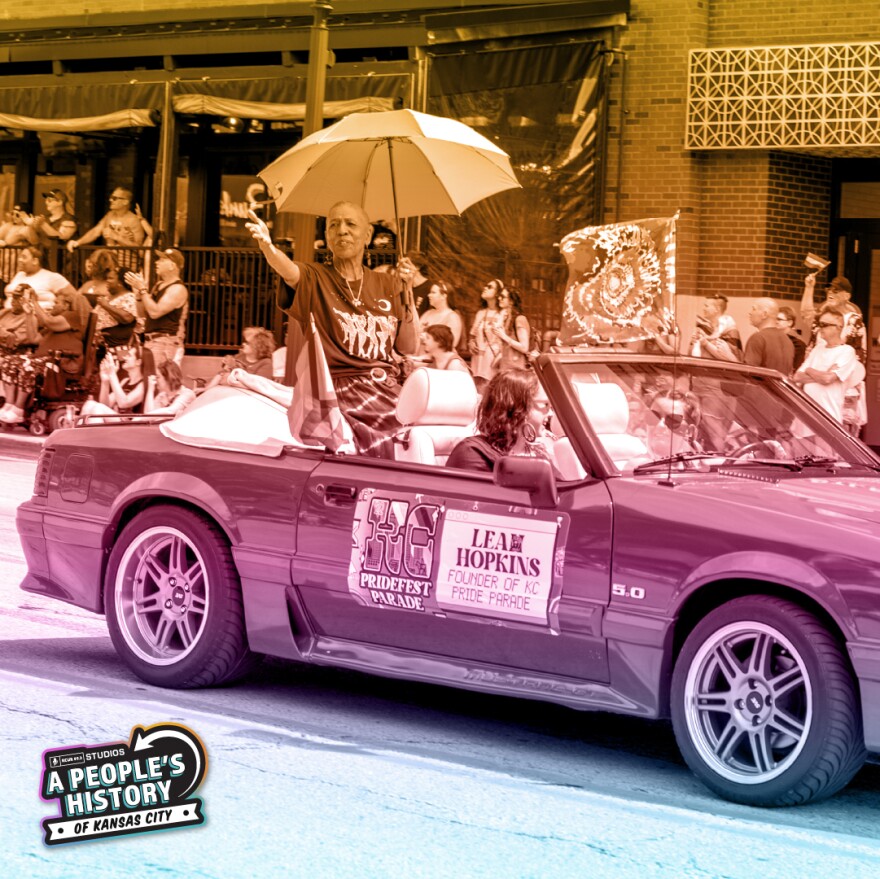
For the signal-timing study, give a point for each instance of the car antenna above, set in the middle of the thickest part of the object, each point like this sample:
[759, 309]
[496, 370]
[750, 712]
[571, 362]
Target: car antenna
[670, 283]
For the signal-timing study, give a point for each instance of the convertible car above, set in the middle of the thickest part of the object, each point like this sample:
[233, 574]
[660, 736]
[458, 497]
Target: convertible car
[705, 547]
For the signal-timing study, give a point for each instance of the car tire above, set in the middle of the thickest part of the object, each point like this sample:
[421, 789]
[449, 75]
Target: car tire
[764, 705]
[173, 602]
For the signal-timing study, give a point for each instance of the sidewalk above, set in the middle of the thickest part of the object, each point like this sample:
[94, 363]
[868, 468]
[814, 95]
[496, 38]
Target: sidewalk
[21, 442]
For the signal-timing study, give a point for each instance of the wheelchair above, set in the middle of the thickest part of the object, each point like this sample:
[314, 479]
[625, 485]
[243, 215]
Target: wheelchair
[59, 394]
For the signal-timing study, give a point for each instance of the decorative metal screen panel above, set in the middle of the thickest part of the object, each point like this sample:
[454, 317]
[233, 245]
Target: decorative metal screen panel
[784, 97]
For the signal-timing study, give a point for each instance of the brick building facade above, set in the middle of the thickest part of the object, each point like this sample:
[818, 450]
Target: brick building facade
[756, 120]
[747, 216]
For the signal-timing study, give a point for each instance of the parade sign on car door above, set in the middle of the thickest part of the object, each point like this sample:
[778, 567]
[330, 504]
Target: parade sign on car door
[428, 554]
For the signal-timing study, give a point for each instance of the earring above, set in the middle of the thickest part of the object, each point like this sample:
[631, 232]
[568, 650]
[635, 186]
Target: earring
[529, 433]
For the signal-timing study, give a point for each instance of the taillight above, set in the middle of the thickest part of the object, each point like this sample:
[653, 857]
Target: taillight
[44, 468]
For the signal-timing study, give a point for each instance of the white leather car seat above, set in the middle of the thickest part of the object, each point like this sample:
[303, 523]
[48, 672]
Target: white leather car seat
[439, 408]
[607, 409]
[564, 456]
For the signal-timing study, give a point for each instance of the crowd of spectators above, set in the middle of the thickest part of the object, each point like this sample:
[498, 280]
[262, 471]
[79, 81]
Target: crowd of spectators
[827, 358]
[48, 329]
[376, 325]
[137, 318]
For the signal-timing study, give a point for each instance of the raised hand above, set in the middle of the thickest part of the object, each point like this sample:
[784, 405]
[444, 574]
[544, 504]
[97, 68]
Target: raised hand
[258, 229]
[136, 281]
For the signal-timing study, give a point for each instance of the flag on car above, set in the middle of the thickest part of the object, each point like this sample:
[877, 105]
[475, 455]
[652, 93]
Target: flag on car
[314, 414]
[621, 282]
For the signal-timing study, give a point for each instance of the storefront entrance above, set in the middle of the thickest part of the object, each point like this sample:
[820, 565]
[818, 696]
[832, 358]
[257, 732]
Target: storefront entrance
[856, 234]
[867, 278]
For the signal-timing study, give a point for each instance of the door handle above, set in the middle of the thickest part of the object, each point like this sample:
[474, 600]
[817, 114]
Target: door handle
[338, 495]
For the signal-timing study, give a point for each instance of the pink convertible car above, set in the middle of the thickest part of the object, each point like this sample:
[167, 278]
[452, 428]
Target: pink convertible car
[707, 549]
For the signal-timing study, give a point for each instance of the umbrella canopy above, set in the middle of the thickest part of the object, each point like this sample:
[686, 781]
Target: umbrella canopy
[397, 163]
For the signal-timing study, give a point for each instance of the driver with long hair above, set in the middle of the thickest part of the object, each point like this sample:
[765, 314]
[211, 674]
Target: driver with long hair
[510, 421]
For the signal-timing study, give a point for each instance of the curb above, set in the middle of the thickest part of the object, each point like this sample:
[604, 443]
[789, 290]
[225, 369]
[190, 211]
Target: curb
[21, 442]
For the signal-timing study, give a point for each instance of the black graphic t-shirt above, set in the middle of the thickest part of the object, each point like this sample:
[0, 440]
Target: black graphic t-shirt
[354, 337]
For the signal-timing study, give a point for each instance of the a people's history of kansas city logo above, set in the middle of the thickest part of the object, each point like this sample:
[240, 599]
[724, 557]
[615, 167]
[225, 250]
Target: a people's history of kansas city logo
[120, 788]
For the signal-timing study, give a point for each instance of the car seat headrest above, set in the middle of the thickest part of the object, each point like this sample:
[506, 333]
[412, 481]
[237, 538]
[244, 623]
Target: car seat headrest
[606, 406]
[437, 396]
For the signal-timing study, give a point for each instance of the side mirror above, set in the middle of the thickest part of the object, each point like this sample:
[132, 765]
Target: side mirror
[534, 475]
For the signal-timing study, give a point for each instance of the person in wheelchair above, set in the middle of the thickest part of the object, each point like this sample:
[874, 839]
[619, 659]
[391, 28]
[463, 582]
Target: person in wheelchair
[63, 330]
[19, 335]
[18, 325]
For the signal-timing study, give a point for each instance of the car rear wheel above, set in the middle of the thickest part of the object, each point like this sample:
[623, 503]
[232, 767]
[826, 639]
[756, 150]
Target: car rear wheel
[764, 705]
[173, 601]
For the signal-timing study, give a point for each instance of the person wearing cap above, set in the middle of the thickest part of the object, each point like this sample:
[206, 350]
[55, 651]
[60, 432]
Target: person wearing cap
[18, 324]
[838, 294]
[57, 224]
[120, 226]
[164, 306]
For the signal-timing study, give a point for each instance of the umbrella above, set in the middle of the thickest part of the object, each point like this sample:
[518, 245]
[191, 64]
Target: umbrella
[397, 163]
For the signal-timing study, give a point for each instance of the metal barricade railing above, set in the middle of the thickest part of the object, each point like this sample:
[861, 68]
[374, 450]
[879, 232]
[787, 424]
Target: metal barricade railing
[230, 289]
[234, 288]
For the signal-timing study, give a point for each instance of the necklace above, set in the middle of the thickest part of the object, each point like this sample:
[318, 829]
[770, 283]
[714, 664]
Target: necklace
[356, 301]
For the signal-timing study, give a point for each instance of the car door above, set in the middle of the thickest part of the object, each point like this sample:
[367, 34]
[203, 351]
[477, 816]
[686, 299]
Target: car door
[442, 561]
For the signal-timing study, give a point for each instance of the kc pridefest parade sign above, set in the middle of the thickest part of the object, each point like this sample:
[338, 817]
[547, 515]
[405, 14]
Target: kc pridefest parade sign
[621, 282]
[420, 553]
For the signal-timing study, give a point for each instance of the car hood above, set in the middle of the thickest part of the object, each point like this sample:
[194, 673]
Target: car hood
[832, 499]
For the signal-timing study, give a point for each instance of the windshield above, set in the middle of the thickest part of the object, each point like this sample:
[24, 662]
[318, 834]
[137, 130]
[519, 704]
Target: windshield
[703, 418]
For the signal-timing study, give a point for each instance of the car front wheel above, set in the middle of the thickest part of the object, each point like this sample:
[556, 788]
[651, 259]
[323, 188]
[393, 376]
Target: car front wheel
[173, 601]
[764, 705]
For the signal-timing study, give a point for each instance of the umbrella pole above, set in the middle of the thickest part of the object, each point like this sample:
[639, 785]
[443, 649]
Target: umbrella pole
[394, 199]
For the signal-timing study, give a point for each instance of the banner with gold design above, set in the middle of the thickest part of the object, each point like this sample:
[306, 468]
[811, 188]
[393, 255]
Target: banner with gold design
[621, 282]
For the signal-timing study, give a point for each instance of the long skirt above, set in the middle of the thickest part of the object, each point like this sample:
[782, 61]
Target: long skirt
[368, 406]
